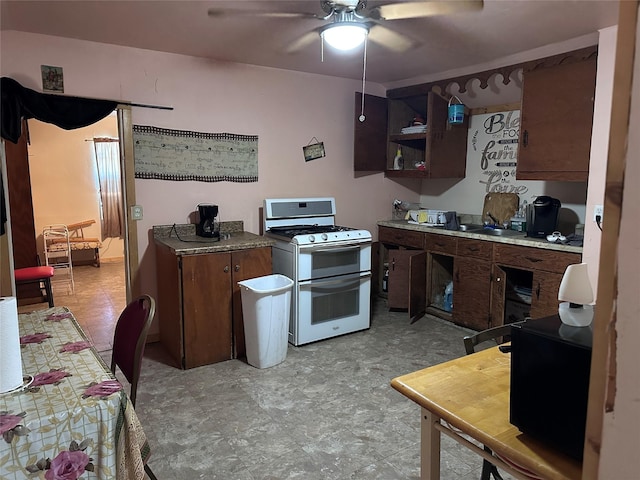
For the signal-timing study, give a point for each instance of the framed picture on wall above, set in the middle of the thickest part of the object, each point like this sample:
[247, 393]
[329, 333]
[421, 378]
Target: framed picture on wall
[52, 79]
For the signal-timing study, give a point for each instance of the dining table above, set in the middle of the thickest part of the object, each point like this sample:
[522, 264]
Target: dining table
[71, 418]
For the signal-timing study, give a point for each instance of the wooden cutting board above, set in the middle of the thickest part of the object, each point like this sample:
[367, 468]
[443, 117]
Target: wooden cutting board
[502, 206]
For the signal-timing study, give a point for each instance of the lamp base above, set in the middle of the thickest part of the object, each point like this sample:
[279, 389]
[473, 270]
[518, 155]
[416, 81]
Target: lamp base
[575, 317]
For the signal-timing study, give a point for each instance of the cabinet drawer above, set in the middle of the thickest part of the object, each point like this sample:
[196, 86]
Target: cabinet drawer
[398, 236]
[534, 258]
[475, 248]
[440, 243]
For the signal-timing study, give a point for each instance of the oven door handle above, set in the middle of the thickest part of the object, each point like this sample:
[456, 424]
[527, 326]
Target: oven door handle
[334, 247]
[335, 281]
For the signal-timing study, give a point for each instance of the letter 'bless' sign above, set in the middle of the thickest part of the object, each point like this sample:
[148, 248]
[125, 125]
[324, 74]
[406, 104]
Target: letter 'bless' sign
[494, 142]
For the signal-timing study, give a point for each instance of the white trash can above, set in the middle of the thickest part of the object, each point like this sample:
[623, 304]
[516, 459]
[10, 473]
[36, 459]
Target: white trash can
[266, 305]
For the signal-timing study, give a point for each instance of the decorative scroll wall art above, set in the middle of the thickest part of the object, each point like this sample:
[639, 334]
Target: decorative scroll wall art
[178, 155]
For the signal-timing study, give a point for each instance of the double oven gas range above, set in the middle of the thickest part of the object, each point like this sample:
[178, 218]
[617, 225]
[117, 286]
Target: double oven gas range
[329, 265]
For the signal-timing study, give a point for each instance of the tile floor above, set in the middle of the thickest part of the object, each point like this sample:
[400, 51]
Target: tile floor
[96, 301]
[326, 412]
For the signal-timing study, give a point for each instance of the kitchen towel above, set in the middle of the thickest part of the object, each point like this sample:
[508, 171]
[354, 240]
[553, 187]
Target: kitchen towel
[10, 359]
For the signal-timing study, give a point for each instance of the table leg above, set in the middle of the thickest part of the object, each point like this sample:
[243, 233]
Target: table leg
[429, 447]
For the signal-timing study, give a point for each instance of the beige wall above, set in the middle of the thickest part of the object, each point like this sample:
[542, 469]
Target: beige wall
[64, 179]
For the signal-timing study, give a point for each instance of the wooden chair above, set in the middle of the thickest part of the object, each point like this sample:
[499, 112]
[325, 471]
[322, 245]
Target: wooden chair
[40, 274]
[499, 334]
[129, 341]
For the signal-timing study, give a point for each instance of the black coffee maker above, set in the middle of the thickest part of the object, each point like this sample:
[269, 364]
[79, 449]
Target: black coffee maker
[542, 217]
[208, 225]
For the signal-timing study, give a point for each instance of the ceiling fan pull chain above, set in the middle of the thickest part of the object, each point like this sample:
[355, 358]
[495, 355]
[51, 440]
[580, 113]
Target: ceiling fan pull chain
[364, 75]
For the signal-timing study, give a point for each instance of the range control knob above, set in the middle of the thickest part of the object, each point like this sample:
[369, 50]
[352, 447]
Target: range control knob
[312, 238]
[324, 236]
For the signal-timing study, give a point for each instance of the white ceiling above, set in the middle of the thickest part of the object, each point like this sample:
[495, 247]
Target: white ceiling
[500, 29]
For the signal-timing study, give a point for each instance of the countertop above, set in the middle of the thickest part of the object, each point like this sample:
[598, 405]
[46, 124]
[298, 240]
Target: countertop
[182, 240]
[514, 238]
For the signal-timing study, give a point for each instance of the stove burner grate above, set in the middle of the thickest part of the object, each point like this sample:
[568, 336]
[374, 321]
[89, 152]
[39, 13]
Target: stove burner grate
[293, 230]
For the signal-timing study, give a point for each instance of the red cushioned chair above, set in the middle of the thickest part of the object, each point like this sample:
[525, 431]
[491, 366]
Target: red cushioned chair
[129, 340]
[42, 275]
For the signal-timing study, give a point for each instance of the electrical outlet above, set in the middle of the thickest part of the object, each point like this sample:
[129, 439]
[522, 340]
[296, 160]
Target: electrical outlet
[136, 212]
[598, 211]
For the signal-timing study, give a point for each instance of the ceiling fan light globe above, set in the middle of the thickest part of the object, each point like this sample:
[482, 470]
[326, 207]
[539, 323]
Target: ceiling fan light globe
[345, 36]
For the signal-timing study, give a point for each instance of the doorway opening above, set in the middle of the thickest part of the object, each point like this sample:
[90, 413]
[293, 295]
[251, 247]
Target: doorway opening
[65, 190]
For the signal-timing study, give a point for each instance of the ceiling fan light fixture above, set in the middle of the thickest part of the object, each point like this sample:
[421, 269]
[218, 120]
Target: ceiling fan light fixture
[345, 35]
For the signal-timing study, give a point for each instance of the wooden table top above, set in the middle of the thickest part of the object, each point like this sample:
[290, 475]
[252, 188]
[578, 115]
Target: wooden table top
[472, 394]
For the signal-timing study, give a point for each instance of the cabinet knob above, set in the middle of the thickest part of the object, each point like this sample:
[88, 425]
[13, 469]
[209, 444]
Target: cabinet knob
[226, 269]
[498, 279]
[236, 268]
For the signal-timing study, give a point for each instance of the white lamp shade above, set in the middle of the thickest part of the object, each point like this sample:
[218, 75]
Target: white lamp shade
[575, 286]
[345, 35]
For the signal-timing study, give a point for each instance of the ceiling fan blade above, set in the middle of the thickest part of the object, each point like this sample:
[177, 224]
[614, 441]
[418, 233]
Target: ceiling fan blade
[399, 11]
[302, 42]
[219, 12]
[389, 39]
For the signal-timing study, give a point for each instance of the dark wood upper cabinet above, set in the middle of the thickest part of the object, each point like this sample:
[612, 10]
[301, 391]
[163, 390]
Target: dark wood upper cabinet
[556, 121]
[370, 136]
[442, 148]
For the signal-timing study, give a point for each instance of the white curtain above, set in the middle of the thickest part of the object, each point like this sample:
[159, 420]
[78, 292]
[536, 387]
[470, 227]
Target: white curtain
[110, 180]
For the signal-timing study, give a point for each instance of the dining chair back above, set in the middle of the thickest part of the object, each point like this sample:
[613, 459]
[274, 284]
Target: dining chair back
[498, 335]
[129, 340]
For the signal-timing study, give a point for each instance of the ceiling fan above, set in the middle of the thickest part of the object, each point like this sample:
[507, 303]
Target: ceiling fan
[342, 18]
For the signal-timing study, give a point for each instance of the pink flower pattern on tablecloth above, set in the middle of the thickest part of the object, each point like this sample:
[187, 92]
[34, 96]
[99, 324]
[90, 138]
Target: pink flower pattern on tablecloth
[56, 317]
[10, 426]
[103, 389]
[34, 338]
[8, 422]
[48, 378]
[67, 465]
[75, 347]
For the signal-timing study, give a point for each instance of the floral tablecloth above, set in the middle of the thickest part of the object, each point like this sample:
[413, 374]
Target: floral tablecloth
[73, 420]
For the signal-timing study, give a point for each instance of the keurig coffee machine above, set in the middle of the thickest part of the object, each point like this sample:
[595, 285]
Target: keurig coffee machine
[543, 217]
[208, 225]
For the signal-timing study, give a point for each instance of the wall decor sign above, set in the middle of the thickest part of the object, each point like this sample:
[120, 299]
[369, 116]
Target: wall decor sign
[494, 142]
[52, 79]
[179, 155]
[313, 150]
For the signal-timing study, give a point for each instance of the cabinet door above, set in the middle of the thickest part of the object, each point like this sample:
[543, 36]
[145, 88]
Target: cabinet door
[370, 136]
[247, 264]
[446, 149]
[206, 306]
[498, 291]
[168, 306]
[403, 284]
[556, 121]
[471, 292]
[544, 294]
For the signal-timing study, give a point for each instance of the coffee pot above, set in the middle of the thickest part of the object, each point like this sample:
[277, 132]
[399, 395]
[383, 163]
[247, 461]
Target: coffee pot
[208, 224]
[542, 216]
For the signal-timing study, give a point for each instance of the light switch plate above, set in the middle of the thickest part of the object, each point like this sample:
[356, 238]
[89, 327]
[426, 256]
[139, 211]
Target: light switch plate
[136, 212]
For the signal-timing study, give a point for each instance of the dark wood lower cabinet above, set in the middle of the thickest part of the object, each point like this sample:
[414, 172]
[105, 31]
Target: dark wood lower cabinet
[472, 293]
[493, 283]
[200, 305]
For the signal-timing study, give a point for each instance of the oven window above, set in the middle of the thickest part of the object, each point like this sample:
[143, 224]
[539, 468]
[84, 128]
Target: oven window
[334, 303]
[337, 262]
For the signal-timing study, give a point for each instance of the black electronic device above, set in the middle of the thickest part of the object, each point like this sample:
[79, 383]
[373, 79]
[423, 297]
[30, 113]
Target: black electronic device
[543, 216]
[550, 367]
[208, 225]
